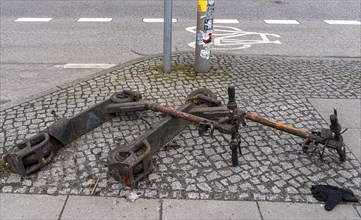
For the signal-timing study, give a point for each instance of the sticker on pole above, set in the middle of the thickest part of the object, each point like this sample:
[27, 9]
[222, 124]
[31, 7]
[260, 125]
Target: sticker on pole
[202, 5]
[206, 53]
[208, 24]
[207, 39]
[200, 37]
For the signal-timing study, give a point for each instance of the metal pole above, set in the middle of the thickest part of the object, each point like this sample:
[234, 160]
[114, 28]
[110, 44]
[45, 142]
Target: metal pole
[204, 37]
[167, 36]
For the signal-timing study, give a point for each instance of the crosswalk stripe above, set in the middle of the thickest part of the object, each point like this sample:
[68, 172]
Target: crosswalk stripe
[86, 66]
[349, 22]
[33, 19]
[95, 19]
[281, 22]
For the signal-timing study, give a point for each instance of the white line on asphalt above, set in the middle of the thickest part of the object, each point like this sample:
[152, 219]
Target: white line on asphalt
[33, 19]
[281, 22]
[95, 19]
[86, 66]
[225, 21]
[342, 22]
[157, 20]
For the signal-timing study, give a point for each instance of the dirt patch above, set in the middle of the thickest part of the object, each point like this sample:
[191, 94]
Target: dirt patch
[4, 172]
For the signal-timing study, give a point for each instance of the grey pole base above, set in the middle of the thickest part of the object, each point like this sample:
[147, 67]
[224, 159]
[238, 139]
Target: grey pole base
[201, 65]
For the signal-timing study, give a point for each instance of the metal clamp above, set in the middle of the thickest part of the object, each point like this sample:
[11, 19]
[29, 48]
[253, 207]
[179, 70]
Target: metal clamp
[30, 155]
[131, 166]
[330, 138]
[126, 96]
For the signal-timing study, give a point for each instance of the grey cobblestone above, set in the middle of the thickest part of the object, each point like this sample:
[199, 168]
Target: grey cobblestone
[272, 167]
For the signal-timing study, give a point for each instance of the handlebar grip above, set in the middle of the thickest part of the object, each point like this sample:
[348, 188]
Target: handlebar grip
[232, 105]
[334, 120]
[231, 94]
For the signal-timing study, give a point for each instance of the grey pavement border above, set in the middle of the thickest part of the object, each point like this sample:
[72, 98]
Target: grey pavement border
[22, 206]
[277, 210]
[209, 209]
[89, 207]
[26, 206]
[348, 110]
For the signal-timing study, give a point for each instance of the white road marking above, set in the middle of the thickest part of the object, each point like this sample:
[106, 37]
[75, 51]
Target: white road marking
[231, 38]
[157, 20]
[225, 21]
[352, 22]
[95, 19]
[86, 66]
[33, 19]
[281, 22]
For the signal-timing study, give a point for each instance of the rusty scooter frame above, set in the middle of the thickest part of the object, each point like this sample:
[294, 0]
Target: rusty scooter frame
[132, 162]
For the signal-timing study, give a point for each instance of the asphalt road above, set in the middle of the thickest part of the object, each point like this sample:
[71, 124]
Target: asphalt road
[33, 54]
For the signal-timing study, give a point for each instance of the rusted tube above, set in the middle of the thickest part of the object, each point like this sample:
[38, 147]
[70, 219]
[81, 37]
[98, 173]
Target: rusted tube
[224, 128]
[189, 117]
[206, 98]
[277, 125]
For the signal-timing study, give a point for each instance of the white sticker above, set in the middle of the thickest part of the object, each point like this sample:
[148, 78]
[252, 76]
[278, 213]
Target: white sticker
[206, 53]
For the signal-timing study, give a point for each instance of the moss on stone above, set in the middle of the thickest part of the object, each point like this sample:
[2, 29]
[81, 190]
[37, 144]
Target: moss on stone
[2, 165]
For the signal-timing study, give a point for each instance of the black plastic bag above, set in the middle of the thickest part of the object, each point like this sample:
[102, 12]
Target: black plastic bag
[332, 195]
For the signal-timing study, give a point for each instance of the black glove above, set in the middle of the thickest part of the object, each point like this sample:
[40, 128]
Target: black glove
[332, 195]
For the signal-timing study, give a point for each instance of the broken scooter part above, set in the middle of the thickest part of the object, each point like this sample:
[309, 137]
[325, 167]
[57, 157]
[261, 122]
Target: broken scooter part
[132, 162]
[36, 152]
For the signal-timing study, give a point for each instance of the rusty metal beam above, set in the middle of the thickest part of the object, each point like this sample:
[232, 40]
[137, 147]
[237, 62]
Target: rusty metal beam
[277, 125]
[224, 128]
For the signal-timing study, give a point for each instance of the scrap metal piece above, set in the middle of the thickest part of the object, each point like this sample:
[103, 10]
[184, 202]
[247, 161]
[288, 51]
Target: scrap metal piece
[132, 162]
[328, 138]
[126, 96]
[123, 107]
[131, 165]
[277, 125]
[204, 96]
[66, 130]
[30, 155]
[33, 154]
[235, 120]
[210, 112]
[126, 166]
[126, 101]
[224, 128]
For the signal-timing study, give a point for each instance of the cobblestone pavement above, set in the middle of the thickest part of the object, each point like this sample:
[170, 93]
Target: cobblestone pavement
[272, 168]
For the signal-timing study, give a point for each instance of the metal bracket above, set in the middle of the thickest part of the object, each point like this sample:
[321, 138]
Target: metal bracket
[30, 155]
